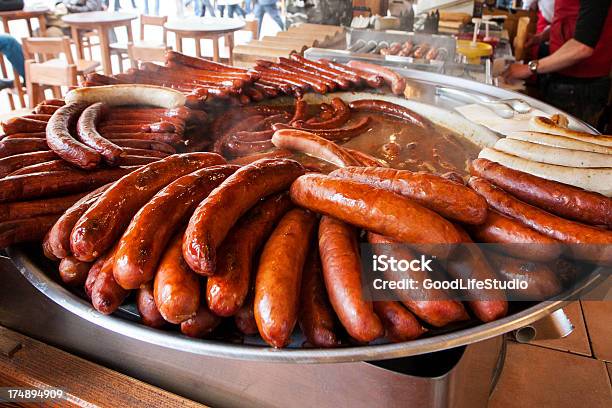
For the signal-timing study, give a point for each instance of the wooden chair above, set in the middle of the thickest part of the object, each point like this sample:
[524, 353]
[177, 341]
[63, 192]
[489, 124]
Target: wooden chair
[45, 67]
[147, 46]
[142, 53]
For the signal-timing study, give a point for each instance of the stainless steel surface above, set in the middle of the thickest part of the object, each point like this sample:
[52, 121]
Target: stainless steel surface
[422, 92]
[499, 108]
[462, 378]
[554, 326]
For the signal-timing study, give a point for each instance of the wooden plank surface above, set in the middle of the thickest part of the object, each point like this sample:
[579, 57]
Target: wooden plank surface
[36, 365]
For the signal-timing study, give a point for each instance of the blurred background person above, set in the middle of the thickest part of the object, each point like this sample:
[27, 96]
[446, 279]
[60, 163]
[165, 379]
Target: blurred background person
[201, 6]
[13, 52]
[263, 7]
[156, 8]
[233, 6]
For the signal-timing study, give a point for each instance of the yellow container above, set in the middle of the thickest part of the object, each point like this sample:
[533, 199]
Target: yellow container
[474, 51]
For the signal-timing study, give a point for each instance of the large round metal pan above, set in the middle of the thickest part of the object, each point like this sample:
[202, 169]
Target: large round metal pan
[440, 111]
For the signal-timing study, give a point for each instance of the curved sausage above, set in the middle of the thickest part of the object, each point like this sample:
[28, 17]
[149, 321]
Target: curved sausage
[342, 114]
[516, 239]
[57, 240]
[391, 109]
[145, 302]
[86, 130]
[558, 228]
[396, 82]
[73, 272]
[342, 275]
[309, 143]
[400, 324]
[357, 128]
[449, 199]
[144, 240]
[200, 325]
[214, 217]
[118, 204]
[279, 276]
[560, 199]
[375, 210]
[316, 317]
[63, 144]
[227, 290]
[176, 287]
[434, 306]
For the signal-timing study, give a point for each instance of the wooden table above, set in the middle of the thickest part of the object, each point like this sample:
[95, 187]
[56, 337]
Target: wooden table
[26, 14]
[102, 22]
[209, 28]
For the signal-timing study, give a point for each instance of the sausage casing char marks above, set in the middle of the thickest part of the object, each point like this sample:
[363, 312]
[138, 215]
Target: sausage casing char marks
[227, 289]
[375, 210]
[560, 199]
[87, 132]
[316, 317]
[63, 144]
[214, 217]
[145, 238]
[104, 222]
[279, 276]
[447, 198]
[176, 287]
[342, 275]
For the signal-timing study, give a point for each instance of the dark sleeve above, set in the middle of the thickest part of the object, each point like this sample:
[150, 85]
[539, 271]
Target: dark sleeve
[591, 21]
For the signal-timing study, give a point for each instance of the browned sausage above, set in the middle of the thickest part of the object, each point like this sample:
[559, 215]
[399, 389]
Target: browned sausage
[560, 199]
[144, 240]
[227, 290]
[375, 210]
[13, 163]
[330, 68]
[73, 272]
[317, 318]
[274, 154]
[137, 161]
[360, 126]
[202, 324]
[38, 116]
[25, 229]
[214, 217]
[515, 238]
[342, 114]
[168, 138]
[396, 82]
[342, 275]
[92, 275]
[468, 262]
[542, 281]
[118, 204]
[28, 209]
[447, 198]
[145, 302]
[391, 109]
[570, 232]
[247, 123]
[63, 144]
[340, 81]
[36, 185]
[145, 144]
[106, 294]
[53, 165]
[318, 84]
[313, 145]
[37, 135]
[279, 276]
[433, 306]
[244, 319]
[57, 240]
[365, 159]
[22, 125]
[400, 324]
[131, 151]
[45, 109]
[10, 147]
[176, 287]
[237, 148]
[86, 129]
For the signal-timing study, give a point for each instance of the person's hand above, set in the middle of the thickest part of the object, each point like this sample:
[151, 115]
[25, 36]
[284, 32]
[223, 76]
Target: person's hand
[516, 71]
[535, 39]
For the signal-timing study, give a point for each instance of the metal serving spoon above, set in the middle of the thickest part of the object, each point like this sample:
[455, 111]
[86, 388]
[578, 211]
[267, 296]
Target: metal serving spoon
[504, 108]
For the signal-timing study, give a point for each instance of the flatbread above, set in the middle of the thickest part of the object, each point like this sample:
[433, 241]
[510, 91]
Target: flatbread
[545, 125]
[559, 141]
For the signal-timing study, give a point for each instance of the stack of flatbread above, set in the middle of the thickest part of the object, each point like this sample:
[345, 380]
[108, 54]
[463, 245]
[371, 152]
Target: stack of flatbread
[553, 151]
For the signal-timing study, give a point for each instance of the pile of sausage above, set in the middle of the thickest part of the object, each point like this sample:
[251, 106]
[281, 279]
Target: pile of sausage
[409, 49]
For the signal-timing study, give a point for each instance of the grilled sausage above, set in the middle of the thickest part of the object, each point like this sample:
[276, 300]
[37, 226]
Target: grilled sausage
[28, 209]
[10, 147]
[106, 294]
[449, 199]
[22, 125]
[342, 114]
[357, 128]
[118, 204]
[202, 324]
[37, 135]
[227, 290]
[145, 302]
[63, 144]
[73, 272]
[214, 217]
[560, 199]
[25, 229]
[144, 240]
[396, 82]
[375, 210]
[279, 276]
[309, 143]
[244, 319]
[53, 165]
[86, 129]
[400, 324]
[391, 109]
[93, 273]
[145, 144]
[342, 276]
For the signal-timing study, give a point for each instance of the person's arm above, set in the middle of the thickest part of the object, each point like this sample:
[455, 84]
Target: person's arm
[589, 26]
[82, 7]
